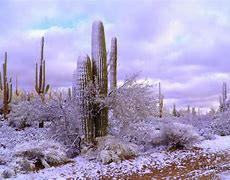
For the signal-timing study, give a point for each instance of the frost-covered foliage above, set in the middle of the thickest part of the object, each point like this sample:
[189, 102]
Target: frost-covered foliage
[35, 155]
[132, 102]
[110, 149]
[179, 135]
[201, 123]
[221, 124]
[153, 133]
[28, 113]
[60, 117]
[67, 127]
[147, 134]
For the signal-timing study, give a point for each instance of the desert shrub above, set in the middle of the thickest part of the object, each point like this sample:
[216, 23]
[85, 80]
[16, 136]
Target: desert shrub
[202, 124]
[110, 149]
[131, 103]
[32, 156]
[146, 134]
[179, 135]
[28, 113]
[221, 124]
[61, 118]
[67, 127]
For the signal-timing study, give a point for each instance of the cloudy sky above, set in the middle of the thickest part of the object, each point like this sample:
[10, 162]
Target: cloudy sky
[183, 44]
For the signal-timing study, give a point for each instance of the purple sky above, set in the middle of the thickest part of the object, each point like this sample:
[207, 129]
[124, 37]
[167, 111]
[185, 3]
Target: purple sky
[184, 44]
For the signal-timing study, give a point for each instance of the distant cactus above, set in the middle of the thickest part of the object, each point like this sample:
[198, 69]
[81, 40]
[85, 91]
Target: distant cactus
[16, 90]
[40, 86]
[69, 93]
[174, 110]
[223, 98]
[113, 64]
[50, 93]
[188, 110]
[161, 102]
[7, 89]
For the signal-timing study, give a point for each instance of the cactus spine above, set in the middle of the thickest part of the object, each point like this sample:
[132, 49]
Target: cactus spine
[113, 64]
[40, 86]
[7, 89]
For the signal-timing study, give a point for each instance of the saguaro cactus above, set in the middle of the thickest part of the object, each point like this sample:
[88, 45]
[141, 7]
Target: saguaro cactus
[113, 64]
[16, 90]
[92, 81]
[223, 99]
[40, 81]
[84, 77]
[161, 102]
[7, 89]
[100, 74]
[174, 110]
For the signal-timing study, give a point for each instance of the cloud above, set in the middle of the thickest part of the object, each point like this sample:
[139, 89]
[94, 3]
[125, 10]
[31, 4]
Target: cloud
[183, 44]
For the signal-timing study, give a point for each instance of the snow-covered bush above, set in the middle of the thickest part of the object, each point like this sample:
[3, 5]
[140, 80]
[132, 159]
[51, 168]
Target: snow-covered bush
[179, 135]
[32, 156]
[146, 134]
[67, 127]
[28, 113]
[7, 173]
[131, 103]
[202, 124]
[221, 125]
[110, 149]
[60, 117]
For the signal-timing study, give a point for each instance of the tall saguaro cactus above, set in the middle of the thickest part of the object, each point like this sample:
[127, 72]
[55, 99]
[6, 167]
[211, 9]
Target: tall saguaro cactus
[40, 81]
[84, 77]
[113, 64]
[92, 81]
[7, 89]
[100, 73]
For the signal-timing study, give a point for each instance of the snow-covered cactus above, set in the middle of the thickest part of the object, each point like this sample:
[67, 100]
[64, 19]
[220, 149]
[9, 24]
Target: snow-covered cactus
[100, 74]
[90, 86]
[113, 64]
[84, 78]
[7, 89]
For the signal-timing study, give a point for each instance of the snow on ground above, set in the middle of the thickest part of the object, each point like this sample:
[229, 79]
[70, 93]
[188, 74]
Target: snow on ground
[156, 158]
[225, 175]
[221, 143]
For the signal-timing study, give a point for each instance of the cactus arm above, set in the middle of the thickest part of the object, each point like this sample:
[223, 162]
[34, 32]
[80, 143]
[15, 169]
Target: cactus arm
[36, 79]
[40, 78]
[44, 76]
[1, 87]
